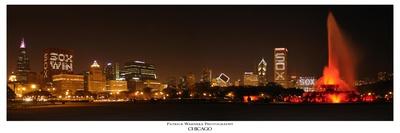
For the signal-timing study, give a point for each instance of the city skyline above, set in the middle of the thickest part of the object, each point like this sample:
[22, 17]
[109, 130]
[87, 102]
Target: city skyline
[221, 63]
[193, 45]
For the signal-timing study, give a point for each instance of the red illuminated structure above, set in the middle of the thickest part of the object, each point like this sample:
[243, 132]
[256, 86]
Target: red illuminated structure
[336, 83]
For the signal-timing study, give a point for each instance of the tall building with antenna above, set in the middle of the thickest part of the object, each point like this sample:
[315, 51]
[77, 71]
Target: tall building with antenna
[261, 72]
[23, 67]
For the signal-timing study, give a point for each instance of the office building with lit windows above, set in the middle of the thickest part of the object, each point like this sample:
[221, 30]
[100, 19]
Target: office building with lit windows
[261, 72]
[56, 61]
[116, 85]
[138, 70]
[23, 67]
[306, 83]
[281, 66]
[250, 79]
[66, 83]
[111, 70]
[96, 79]
[190, 81]
[206, 75]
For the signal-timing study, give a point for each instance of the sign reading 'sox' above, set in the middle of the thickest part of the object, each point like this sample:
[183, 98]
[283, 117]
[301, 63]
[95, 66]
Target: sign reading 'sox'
[61, 61]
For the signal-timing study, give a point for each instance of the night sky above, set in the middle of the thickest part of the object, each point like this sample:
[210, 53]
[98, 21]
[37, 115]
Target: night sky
[183, 39]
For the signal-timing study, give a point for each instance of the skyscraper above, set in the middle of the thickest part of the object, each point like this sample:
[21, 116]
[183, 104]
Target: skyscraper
[206, 75]
[190, 81]
[281, 66]
[111, 70]
[138, 70]
[261, 72]
[23, 67]
[136, 73]
[56, 61]
[96, 78]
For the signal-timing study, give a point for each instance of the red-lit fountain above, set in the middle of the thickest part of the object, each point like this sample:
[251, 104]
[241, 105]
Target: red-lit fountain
[336, 84]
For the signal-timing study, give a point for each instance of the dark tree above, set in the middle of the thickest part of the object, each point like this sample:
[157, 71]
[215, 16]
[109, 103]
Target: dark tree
[171, 92]
[10, 94]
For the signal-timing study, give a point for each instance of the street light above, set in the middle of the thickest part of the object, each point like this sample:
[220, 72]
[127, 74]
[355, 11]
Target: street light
[33, 86]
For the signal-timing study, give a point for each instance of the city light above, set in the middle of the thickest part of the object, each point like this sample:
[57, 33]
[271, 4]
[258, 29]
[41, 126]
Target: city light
[12, 78]
[33, 86]
[28, 99]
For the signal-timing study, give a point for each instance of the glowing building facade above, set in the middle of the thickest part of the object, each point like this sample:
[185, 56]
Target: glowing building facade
[222, 81]
[66, 84]
[250, 79]
[56, 61]
[116, 85]
[261, 72]
[156, 86]
[306, 83]
[138, 70]
[281, 66]
[96, 79]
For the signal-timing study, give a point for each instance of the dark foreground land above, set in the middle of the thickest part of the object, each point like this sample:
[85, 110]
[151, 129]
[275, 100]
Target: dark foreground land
[202, 112]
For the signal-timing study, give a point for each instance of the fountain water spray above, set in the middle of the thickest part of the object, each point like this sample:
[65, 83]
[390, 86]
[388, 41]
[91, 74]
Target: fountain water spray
[338, 75]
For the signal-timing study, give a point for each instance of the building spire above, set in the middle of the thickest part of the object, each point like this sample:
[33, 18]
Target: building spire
[262, 62]
[95, 64]
[22, 45]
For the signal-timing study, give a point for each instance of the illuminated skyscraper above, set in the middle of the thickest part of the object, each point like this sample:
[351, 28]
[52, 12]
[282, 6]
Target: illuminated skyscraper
[23, 68]
[56, 61]
[138, 70]
[136, 73]
[206, 75]
[261, 72]
[96, 79]
[111, 70]
[281, 66]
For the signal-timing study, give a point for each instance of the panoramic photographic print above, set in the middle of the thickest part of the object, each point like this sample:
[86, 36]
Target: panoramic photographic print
[199, 63]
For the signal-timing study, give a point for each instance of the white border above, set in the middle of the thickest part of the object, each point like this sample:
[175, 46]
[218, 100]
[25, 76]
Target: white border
[157, 126]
